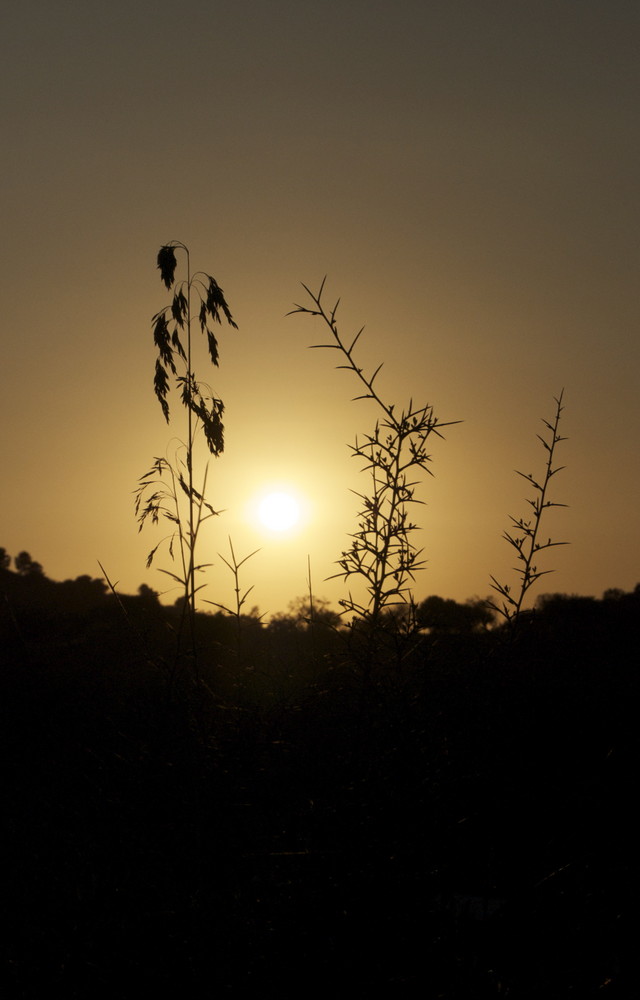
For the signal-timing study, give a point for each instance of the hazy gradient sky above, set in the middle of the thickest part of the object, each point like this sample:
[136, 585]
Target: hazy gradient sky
[466, 173]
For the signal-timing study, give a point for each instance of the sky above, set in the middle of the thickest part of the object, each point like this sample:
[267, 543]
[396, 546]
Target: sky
[465, 174]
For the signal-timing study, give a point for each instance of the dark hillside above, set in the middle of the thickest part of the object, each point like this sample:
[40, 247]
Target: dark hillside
[459, 826]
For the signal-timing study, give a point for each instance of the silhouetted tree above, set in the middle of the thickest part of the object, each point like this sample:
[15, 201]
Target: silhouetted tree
[147, 594]
[571, 610]
[301, 614]
[613, 594]
[5, 559]
[445, 615]
[26, 566]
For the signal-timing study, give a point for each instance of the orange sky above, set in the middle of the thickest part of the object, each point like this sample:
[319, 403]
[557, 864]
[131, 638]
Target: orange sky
[464, 172]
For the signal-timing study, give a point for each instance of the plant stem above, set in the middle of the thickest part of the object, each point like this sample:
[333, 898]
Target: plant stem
[382, 552]
[525, 539]
[160, 489]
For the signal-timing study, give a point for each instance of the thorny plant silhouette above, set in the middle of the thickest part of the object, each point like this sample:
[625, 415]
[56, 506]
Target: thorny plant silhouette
[524, 536]
[381, 553]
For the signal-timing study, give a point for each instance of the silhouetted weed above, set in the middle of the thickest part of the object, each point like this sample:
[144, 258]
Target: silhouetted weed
[167, 483]
[382, 553]
[524, 537]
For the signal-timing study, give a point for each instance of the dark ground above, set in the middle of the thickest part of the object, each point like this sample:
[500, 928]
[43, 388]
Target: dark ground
[459, 826]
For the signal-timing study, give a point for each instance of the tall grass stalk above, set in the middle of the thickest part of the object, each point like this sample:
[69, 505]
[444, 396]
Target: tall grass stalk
[170, 482]
[235, 565]
[525, 536]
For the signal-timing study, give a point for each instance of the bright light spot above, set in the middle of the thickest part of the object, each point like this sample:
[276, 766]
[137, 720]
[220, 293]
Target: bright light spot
[279, 512]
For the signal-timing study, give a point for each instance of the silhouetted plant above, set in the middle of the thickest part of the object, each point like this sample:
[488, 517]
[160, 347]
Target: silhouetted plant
[382, 552]
[524, 536]
[162, 490]
[241, 598]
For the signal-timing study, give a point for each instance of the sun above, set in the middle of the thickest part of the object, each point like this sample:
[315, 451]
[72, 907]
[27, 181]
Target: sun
[279, 512]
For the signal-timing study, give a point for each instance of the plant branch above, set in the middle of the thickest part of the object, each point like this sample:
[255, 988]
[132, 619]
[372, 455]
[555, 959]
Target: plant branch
[525, 534]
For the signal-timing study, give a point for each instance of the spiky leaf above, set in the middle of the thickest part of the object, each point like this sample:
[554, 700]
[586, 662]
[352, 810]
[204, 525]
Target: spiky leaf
[213, 347]
[216, 302]
[167, 264]
[212, 425]
[161, 339]
[161, 386]
[179, 307]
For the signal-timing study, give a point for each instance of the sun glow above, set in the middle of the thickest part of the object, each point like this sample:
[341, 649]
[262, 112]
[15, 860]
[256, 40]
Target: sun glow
[279, 512]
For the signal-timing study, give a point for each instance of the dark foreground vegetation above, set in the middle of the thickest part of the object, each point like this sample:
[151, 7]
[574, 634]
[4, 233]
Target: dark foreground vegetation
[448, 816]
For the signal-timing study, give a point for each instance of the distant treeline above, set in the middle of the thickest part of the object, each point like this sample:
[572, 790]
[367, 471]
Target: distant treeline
[26, 586]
